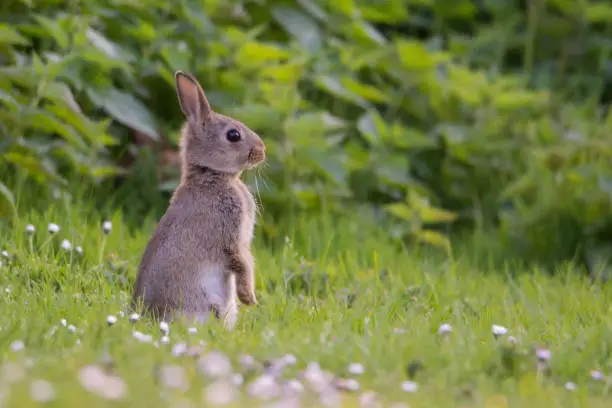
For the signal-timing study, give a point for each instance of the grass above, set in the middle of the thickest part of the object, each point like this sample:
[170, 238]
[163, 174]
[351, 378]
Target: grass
[334, 293]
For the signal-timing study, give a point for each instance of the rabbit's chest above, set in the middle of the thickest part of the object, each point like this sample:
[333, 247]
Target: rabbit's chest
[247, 222]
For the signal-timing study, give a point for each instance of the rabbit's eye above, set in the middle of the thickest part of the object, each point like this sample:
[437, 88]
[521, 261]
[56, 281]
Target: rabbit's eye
[233, 135]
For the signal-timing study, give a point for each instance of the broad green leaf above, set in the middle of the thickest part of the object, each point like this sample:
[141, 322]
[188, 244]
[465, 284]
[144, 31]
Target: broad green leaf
[10, 102]
[366, 125]
[126, 109]
[42, 170]
[290, 72]
[176, 55]
[598, 13]
[414, 55]
[433, 238]
[512, 100]
[436, 215]
[400, 210]
[7, 201]
[256, 53]
[361, 30]
[365, 91]
[335, 87]
[45, 122]
[10, 36]
[257, 116]
[347, 7]
[313, 9]
[104, 45]
[300, 26]
[56, 31]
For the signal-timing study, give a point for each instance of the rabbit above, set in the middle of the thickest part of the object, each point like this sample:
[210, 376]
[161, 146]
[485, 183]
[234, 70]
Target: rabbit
[198, 259]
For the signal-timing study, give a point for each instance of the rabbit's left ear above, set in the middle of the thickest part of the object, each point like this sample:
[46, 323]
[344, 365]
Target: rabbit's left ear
[191, 97]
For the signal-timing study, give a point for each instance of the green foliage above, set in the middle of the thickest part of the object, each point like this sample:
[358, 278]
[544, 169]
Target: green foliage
[437, 112]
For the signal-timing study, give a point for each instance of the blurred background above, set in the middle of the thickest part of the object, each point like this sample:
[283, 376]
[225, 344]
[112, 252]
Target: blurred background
[435, 119]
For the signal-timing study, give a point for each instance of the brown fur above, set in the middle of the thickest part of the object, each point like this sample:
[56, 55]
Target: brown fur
[199, 257]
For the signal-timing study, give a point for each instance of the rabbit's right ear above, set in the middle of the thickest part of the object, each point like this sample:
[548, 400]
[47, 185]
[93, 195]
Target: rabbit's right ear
[191, 97]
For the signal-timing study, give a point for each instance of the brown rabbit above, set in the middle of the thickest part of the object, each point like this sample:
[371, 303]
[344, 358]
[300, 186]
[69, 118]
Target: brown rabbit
[199, 256]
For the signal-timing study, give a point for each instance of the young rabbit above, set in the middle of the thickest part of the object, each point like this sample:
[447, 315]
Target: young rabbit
[199, 256]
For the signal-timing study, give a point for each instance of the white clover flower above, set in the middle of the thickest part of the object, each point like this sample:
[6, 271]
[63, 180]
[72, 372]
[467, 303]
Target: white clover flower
[63, 322]
[6, 254]
[192, 330]
[17, 345]
[107, 227]
[110, 319]
[349, 384]
[163, 326]
[289, 359]
[543, 354]
[134, 317]
[53, 228]
[66, 245]
[143, 338]
[79, 250]
[512, 340]
[179, 349]
[499, 330]
[445, 328]
[410, 386]
[165, 340]
[356, 369]
[597, 375]
[72, 328]
[42, 391]
[30, 229]
[570, 386]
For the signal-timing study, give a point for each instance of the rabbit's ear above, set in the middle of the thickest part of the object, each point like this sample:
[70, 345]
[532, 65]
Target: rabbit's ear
[191, 97]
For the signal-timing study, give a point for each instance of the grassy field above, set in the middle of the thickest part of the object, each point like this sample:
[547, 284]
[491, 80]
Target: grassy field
[336, 293]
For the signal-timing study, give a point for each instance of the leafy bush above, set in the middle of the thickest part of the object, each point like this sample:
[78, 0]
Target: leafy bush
[477, 113]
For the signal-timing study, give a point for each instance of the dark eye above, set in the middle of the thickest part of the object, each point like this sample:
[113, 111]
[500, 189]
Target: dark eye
[233, 135]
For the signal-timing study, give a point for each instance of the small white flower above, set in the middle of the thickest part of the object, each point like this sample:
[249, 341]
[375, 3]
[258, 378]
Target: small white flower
[512, 339]
[570, 386]
[499, 330]
[237, 379]
[410, 386]
[597, 375]
[30, 229]
[72, 329]
[134, 317]
[121, 314]
[79, 250]
[107, 227]
[264, 387]
[53, 228]
[17, 345]
[7, 289]
[163, 326]
[294, 385]
[289, 359]
[42, 391]
[141, 337]
[111, 320]
[66, 245]
[349, 384]
[399, 330]
[192, 330]
[63, 322]
[543, 354]
[356, 369]
[445, 328]
[165, 340]
[179, 349]
[5, 254]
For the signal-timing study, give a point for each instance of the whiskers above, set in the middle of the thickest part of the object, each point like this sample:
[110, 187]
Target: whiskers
[259, 176]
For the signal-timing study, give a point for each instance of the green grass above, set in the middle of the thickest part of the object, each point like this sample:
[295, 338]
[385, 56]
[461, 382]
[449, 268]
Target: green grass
[335, 293]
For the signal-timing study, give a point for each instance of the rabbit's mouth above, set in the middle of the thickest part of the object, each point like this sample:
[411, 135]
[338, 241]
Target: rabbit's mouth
[256, 156]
